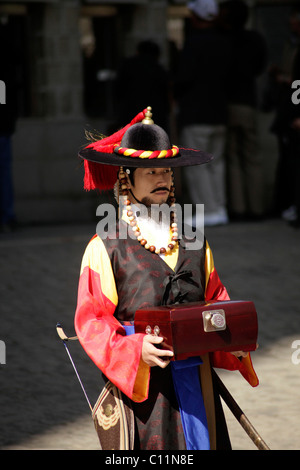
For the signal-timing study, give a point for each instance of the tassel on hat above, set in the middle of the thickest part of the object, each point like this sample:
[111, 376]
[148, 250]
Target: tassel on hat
[96, 176]
[103, 177]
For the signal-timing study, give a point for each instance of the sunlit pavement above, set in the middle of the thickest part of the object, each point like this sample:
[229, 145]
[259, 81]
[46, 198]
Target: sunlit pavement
[42, 405]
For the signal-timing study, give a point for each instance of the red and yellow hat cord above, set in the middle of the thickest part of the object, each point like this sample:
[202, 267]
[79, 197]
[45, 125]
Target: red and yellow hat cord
[147, 153]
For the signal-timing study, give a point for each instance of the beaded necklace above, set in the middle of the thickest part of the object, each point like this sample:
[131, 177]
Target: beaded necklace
[134, 224]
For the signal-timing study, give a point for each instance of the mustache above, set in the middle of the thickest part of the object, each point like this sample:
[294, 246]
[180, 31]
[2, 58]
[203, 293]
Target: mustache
[163, 188]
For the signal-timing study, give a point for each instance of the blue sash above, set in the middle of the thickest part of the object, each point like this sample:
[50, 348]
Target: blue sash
[189, 396]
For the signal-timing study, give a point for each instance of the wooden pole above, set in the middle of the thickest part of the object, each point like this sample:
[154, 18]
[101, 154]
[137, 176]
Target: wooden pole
[239, 414]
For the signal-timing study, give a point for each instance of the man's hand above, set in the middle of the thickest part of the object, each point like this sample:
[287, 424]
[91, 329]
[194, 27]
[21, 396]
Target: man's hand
[152, 355]
[239, 353]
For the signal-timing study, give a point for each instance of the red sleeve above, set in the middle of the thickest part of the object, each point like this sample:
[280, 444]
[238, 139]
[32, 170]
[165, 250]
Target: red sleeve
[102, 336]
[221, 359]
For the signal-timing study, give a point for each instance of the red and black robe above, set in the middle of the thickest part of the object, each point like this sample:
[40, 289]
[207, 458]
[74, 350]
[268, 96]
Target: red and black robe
[119, 276]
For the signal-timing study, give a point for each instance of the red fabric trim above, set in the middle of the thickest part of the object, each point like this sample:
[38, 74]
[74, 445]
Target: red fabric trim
[221, 359]
[215, 289]
[225, 360]
[103, 337]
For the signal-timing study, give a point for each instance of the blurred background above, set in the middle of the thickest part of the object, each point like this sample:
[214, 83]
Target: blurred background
[68, 57]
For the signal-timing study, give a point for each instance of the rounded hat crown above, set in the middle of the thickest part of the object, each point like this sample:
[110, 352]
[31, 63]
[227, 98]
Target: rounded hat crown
[144, 136]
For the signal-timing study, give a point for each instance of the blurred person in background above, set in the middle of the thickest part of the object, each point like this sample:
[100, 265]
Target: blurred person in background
[201, 92]
[133, 93]
[278, 97]
[244, 163]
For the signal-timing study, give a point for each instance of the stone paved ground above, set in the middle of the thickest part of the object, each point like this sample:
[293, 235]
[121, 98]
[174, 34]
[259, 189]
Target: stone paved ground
[42, 405]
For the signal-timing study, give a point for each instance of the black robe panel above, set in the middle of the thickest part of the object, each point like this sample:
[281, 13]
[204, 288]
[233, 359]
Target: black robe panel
[143, 280]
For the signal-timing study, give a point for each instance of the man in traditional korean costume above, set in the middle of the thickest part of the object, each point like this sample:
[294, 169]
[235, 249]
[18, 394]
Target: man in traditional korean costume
[148, 402]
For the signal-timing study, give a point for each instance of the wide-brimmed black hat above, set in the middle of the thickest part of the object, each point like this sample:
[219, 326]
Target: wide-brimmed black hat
[141, 144]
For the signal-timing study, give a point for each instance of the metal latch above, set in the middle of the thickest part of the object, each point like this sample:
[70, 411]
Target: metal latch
[214, 320]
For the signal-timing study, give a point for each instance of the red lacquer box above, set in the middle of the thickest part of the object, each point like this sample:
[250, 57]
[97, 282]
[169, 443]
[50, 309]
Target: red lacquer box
[193, 329]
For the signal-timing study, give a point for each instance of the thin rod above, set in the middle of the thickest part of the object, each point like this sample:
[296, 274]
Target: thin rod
[78, 377]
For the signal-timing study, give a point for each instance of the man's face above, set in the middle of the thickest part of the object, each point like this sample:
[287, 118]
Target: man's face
[151, 185]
